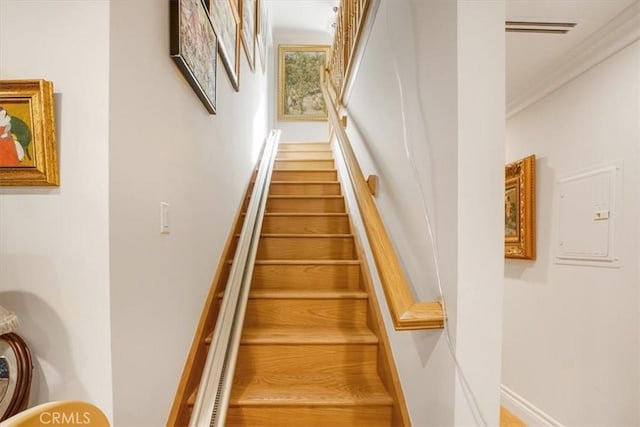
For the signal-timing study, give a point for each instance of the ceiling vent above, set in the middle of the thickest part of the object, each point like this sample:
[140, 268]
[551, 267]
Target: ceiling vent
[538, 27]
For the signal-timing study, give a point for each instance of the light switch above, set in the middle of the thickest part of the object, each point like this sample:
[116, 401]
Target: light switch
[164, 218]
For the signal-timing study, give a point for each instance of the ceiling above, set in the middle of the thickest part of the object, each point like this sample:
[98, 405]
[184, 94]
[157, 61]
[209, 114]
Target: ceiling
[528, 55]
[293, 16]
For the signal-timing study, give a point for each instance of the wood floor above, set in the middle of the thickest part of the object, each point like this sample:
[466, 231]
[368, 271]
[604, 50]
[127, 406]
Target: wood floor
[507, 419]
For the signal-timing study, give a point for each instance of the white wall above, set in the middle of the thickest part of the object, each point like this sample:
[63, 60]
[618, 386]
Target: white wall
[54, 248]
[166, 147]
[427, 78]
[317, 131]
[571, 333]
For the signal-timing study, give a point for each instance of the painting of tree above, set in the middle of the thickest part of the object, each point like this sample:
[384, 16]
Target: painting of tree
[299, 93]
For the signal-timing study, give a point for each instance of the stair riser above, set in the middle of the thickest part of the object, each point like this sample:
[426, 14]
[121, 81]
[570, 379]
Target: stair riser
[303, 164]
[297, 277]
[306, 313]
[306, 224]
[304, 146]
[302, 175]
[304, 155]
[305, 205]
[304, 189]
[334, 416]
[343, 359]
[303, 248]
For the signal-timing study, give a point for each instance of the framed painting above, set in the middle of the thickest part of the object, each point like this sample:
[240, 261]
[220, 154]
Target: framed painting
[226, 21]
[520, 209]
[262, 32]
[28, 154]
[248, 17]
[193, 47]
[299, 93]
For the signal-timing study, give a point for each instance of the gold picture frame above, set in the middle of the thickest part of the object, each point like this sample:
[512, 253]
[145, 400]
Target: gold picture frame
[299, 92]
[28, 154]
[520, 209]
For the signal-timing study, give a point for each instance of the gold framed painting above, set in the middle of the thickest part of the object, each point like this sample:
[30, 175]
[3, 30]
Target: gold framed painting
[28, 154]
[299, 92]
[520, 209]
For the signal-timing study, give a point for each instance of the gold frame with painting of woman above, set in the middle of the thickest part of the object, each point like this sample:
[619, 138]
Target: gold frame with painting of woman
[28, 152]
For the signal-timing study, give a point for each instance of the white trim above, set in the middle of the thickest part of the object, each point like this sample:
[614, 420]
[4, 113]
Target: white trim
[617, 34]
[525, 410]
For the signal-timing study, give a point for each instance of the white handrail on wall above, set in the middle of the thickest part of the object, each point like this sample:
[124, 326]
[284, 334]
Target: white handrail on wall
[212, 399]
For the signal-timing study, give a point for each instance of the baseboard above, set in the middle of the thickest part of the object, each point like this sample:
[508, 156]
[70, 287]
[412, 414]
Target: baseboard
[523, 409]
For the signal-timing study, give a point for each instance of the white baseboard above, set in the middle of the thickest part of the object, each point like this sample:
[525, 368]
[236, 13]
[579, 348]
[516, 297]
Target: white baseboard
[523, 409]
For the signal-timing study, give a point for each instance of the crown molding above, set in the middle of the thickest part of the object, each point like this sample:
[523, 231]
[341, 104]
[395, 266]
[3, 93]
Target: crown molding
[617, 34]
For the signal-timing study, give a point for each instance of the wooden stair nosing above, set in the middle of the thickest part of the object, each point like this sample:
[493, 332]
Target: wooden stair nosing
[305, 295]
[305, 262]
[305, 336]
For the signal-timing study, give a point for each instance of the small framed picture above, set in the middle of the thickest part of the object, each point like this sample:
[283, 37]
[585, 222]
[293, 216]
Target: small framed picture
[520, 209]
[226, 20]
[28, 152]
[248, 17]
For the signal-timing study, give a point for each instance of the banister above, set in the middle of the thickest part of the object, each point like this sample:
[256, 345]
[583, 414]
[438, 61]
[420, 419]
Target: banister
[406, 312]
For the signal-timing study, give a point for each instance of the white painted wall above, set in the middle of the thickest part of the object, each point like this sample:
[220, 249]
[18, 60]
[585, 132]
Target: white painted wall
[572, 333]
[317, 131]
[54, 243]
[433, 75]
[166, 147]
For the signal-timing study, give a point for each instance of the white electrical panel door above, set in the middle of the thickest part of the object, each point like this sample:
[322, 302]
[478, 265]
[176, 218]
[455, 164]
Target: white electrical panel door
[587, 215]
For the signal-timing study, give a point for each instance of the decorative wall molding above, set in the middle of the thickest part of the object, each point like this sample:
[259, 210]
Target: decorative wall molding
[525, 410]
[619, 33]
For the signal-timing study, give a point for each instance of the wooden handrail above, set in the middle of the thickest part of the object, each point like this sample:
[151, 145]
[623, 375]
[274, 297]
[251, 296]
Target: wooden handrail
[405, 311]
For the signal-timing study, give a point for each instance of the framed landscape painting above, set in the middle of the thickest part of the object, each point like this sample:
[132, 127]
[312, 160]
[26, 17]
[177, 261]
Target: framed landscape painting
[226, 21]
[262, 33]
[520, 209]
[248, 17]
[299, 93]
[194, 48]
[28, 152]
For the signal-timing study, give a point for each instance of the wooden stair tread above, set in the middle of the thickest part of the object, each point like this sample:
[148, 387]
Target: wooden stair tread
[308, 236]
[307, 214]
[302, 336]
[293, 335]
[304, 262]
[302, 196]
[305, 294]
[304, 182]
[308, 294]
[309, 389]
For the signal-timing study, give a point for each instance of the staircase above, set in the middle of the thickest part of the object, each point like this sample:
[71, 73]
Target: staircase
[314, 350]
[308, 355]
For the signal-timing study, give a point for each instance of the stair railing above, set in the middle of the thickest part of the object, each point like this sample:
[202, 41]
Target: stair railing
[406, 312]
[212, 399]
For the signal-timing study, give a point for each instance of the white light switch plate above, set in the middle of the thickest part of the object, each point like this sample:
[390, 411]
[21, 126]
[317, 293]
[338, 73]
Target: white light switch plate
[164, 218]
